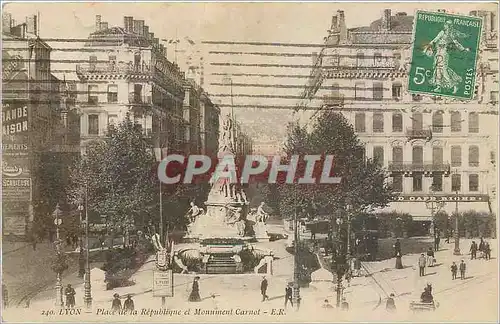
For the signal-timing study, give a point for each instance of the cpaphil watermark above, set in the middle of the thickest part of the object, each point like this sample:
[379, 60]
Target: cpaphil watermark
[307, 169]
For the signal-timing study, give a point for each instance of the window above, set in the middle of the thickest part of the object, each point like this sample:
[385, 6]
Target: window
[456, 122]
[335, 91]
[359, 59]
[417, 122]
[359, 90]
[456, 156]
[377, 58]
[137, 60]
[92, 62]
[473, 182]
[378, 154]
[359, 123]
[437, 156]
[137, 93]
[112, 93]
[397, 59]
[437, 122]
[437, 182]
[378, 122]
[417, 182]
[112, 62]
[494, 96]
[397, 154]
[93, 97]
[112, 120]
[473, 156]
[397, 183]
[93, 124]
[397, 90]
[473, 122]
[456, 182]
[335, 60]
[378, 91]
[417, 155]
[397, 122]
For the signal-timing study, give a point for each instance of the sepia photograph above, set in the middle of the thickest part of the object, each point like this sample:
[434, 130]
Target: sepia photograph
[249, 162]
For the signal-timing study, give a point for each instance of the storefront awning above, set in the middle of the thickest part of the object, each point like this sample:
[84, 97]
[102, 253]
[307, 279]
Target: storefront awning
[422, 212]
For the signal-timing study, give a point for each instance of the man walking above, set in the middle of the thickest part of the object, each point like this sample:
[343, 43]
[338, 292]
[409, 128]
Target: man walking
[263, 289]
[390, 305]
[421, 265]
[473, 250]
[128, 305]
[462, 270]
[437, 239]
[288, 295]
[70, 296]
[454, 269]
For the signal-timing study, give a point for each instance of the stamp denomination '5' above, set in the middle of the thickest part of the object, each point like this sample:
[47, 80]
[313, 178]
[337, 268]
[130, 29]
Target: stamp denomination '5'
[444, 54]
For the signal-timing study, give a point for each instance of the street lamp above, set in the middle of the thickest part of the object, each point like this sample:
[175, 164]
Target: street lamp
[434, 206]
[58, 221]
[296, 272]
[456, 251]
[87, 299]
[81, 260]
[339, 261]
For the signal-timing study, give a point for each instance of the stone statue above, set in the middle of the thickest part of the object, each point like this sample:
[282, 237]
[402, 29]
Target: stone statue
[261, 214]
[226, 141]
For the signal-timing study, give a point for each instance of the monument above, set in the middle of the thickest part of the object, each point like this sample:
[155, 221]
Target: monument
[222, 236]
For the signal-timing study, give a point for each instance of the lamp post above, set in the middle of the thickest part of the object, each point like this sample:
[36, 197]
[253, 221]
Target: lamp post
[456, 251]
[81, 261]
[58, 221]
[296, 272]
[87, 299]
[339, 261]
[434, 206]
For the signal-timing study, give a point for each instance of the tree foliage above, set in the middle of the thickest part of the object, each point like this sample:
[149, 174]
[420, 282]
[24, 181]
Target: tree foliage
[363, 184]
[116, 175]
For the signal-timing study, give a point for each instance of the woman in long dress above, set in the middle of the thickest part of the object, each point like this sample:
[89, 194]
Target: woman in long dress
[195, 291]
[443, 77]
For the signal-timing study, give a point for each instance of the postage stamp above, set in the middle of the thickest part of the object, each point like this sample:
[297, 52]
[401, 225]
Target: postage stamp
[444, 54]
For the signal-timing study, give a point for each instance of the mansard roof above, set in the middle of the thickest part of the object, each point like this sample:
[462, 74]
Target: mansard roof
[399, 23]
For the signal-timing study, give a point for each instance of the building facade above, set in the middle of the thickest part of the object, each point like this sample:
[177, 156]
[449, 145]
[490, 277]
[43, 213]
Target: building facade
[31, 127]
[433, 148]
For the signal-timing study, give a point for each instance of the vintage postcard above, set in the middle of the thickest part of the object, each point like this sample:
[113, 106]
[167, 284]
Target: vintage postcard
[249, 162]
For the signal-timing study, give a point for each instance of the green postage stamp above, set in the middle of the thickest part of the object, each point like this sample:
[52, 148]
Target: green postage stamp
[444, 54]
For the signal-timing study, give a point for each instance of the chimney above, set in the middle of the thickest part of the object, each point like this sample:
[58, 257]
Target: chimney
[138, 27]
[97, 23]
[151, 36]
[334, 27]
[162, 50]
[342, 27]
[156, 41]
[145, 33]
[314, 57]
[31, 24]
[128, 22]
[6, 22]
[104, 26]
[386, 20]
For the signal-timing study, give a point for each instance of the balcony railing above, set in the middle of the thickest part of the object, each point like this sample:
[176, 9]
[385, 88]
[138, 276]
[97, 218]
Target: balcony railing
[109, 67]
[418, 167]
[418, 133]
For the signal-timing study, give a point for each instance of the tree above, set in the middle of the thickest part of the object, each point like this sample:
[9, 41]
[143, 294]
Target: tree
[363, 184]
[116, 175]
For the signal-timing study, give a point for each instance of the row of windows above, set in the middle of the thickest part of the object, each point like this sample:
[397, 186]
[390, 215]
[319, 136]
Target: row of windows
[417, 122]
[112, 94]
[437, 155]
[437, 182]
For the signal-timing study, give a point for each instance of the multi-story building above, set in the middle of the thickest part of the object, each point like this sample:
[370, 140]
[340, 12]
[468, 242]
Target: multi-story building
[434, 148]
[125, 71]
[31, 124]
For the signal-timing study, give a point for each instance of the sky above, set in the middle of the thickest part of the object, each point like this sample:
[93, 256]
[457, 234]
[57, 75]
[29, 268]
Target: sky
[305, 22]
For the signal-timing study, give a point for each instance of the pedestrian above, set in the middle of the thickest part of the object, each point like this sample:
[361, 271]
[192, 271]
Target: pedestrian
[397, 247]
[430, 257]
[481, 245]
[421, 265]
[128, 305]
[473, 250]
[327, 304]
[70, 296]
[195, 291]
[357, 267]
[75, 240]
[454, 269]
[437, 239]
[33, 240]
[263, 289]
[288, 295]
[487, 251]
[390, 305]
[116, 305]
[462, 270]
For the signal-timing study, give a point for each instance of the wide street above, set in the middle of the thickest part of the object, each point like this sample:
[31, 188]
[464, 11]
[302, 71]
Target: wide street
[366, 294]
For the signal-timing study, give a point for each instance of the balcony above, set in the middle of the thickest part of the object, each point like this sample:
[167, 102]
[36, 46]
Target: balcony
[418, 167]
[138, 99]
[111, 68]
[418, 133]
